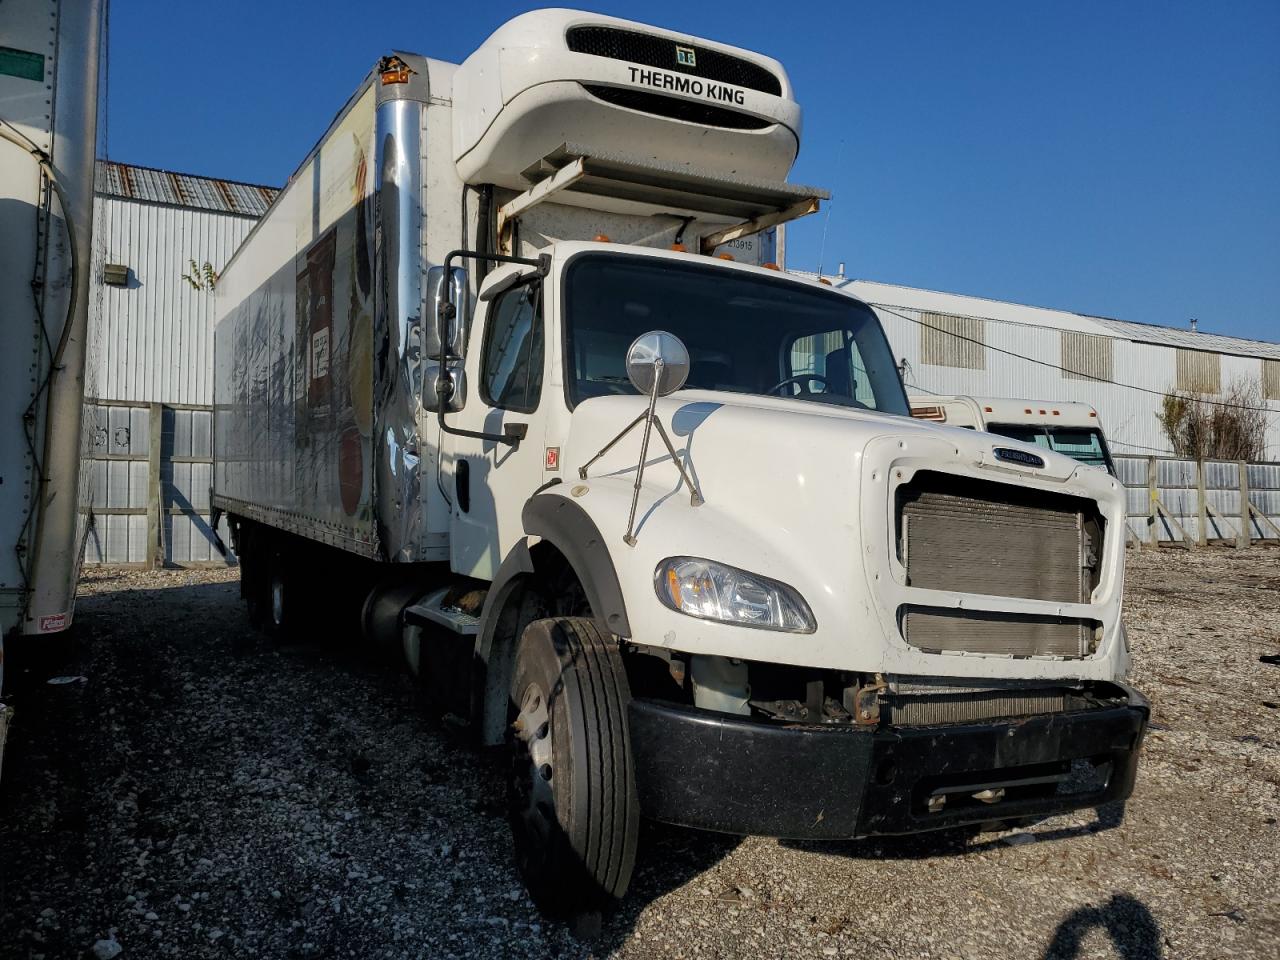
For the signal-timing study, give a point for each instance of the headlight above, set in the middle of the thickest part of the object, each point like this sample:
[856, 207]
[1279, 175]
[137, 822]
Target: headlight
[714, 591]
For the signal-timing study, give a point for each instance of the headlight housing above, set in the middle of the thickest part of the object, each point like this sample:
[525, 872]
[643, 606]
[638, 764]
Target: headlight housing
[715, 591]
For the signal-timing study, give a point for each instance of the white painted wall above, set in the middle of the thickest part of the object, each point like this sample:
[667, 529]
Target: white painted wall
[1128, 415]
[155, 336]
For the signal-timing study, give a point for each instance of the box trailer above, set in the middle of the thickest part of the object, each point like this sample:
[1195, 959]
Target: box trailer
[48, 118]
[1065, 426]
[508, 372]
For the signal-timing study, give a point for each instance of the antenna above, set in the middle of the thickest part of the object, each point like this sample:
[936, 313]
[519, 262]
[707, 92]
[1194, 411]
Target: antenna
[826, 221]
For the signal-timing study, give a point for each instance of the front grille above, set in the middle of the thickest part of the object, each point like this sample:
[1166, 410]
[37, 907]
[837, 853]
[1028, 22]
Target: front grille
[923, 707]
[944, 630]
[975, 536]
[675, 108]
[655, 51]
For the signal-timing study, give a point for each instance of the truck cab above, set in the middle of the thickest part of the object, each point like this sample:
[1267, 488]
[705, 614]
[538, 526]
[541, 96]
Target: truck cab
[816, 588]
[1064, 426]
[648, 512]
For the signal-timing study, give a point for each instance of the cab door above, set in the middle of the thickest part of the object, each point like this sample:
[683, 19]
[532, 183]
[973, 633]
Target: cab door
[508, 369]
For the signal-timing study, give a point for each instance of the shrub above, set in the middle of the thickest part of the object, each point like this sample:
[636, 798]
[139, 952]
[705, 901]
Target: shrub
[1232, 426]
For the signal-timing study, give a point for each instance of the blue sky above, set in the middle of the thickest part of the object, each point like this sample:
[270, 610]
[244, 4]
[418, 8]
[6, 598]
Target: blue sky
[1120, 159]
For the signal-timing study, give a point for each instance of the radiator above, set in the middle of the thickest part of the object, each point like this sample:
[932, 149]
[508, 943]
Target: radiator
[972, 536]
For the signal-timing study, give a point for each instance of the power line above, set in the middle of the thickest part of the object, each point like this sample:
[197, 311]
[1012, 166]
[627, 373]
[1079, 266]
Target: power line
[1074, 373]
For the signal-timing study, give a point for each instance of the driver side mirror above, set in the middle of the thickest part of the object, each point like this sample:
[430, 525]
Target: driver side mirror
[451, 385]
[455, 326]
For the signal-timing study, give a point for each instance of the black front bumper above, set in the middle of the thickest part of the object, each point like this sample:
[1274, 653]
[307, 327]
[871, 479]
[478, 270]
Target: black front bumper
[722, 772]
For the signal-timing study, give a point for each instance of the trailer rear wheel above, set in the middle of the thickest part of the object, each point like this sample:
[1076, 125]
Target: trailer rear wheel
[281, 601]
[251, 548]
[574, 811]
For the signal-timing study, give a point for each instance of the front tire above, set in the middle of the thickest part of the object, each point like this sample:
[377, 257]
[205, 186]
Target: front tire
[574, 811]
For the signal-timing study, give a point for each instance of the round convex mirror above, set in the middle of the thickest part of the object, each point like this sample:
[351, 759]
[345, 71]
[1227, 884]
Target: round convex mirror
[651, 347]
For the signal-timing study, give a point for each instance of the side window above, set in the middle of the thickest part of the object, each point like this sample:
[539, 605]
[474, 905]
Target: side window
[838, 360]
[511, 362]
[811, 354]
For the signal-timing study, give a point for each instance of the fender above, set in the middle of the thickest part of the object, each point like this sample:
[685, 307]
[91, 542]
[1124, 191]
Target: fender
[568, 528]
[490, 680]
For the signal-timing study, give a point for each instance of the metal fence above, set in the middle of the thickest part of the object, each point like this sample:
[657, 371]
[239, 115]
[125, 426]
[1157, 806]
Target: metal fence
[152, 465]
[1192, 503]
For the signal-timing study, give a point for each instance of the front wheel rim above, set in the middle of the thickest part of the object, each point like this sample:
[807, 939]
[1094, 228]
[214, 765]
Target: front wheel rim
[534, 766]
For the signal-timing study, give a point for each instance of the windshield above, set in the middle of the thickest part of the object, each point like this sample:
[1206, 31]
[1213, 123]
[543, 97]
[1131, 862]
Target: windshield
[746, 333]
[1080, 443]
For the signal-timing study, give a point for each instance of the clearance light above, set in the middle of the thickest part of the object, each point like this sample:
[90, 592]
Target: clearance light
[770, 266]
[1055, 413]
[1093, 413]
[1042, 413]
[677, 247]
[824, 281]
[393, 70]
[724, 256]
[1028, 410]
[987, 410]
[601, 238]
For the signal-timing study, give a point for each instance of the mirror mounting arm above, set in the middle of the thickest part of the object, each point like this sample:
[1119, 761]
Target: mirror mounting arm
[448, 310]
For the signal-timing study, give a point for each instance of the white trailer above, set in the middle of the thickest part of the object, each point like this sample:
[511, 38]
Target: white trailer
[1067, 427]
[48, 119]
[657, 520]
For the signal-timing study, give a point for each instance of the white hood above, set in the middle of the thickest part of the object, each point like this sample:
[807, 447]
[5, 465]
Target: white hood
[804, 493]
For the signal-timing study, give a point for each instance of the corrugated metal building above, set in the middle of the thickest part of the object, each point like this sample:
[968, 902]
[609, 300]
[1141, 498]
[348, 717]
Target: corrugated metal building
[953, 344]
[155, 332]
[152, 357]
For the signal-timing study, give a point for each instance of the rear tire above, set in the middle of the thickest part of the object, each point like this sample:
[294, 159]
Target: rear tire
[279, 612]
[574, 811]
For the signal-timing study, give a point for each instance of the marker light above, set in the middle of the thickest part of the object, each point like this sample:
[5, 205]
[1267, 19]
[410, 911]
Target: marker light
[724, 256]
[393, 70]
[716, 591]
[601, 238]
[677, 247]
[770, 266]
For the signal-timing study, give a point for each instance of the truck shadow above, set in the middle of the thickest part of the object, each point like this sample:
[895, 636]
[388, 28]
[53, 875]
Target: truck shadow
[667, 858]
[197, 699]
[955, 842]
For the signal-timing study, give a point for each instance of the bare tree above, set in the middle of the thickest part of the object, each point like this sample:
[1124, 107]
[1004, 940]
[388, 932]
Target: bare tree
[1232, 426]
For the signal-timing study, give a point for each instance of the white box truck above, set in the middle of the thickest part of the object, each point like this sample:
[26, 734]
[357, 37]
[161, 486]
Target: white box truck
[48, 122]
[1068, 427]
[767, 602]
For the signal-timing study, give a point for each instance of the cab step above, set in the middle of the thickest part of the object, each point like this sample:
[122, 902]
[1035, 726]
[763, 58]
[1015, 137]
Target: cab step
[430, 612]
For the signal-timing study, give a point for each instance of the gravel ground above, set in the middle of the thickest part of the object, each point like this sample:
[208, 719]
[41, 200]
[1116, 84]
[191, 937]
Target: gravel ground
[187, 801]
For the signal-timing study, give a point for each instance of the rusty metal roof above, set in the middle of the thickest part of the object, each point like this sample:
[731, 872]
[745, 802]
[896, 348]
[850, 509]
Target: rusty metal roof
[182, 189]
[1192, 340]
